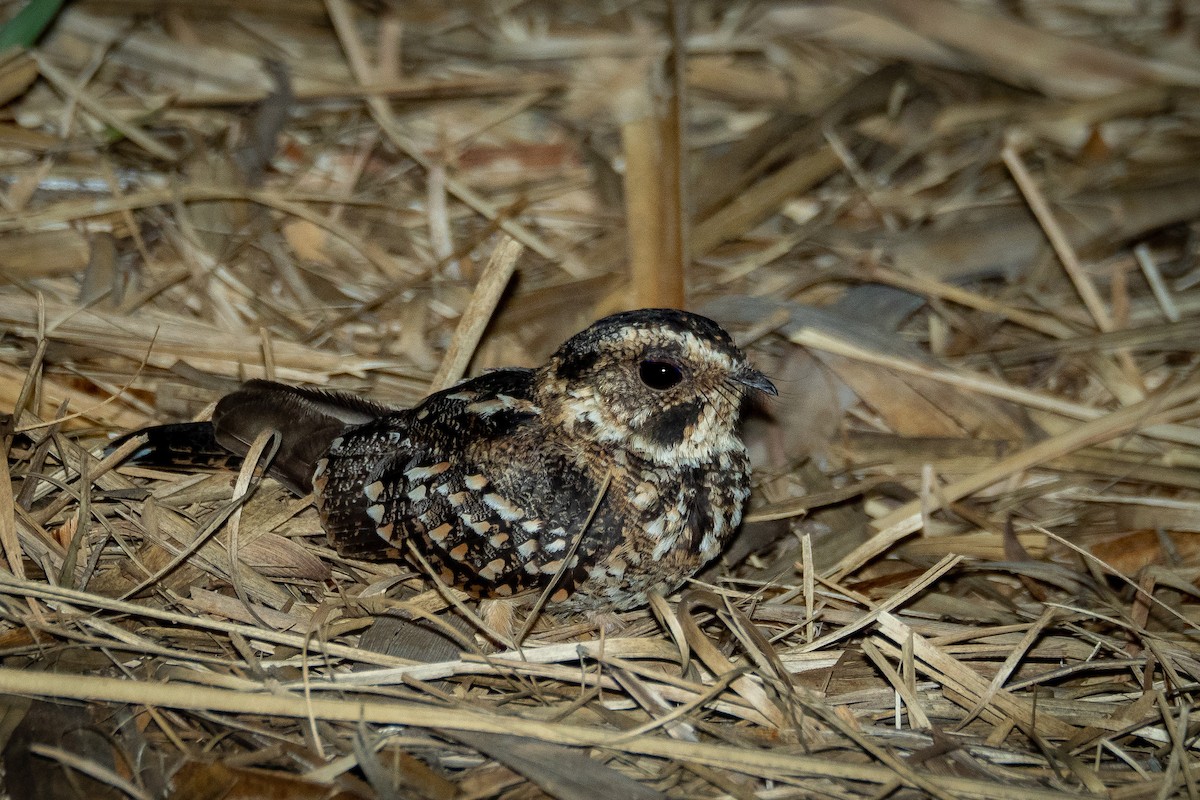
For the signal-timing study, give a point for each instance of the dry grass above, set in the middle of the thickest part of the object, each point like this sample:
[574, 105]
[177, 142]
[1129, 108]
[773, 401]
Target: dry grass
[962, 237]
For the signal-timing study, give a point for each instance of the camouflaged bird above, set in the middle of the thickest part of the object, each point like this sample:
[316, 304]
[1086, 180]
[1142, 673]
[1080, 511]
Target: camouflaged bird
[493, 480]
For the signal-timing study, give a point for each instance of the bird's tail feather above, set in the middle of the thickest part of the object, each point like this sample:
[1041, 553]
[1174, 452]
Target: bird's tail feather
[308, 420]
[181, 445]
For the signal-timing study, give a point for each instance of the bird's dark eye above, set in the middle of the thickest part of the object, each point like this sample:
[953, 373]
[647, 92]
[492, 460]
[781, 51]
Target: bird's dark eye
[660, 375]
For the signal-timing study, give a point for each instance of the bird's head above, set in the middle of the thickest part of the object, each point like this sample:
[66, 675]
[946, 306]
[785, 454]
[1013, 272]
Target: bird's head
[665, 384]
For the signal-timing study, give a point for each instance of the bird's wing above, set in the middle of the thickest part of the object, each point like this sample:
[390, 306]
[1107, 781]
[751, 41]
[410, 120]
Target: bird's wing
[442, 474]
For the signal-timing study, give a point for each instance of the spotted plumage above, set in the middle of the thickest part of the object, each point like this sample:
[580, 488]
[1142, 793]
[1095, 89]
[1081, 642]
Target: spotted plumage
[493, 479]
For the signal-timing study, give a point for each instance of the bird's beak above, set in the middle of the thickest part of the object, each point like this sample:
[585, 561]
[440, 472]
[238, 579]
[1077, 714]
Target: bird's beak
[749, 376]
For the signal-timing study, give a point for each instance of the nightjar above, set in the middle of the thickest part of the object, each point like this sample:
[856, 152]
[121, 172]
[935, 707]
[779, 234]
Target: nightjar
[620, 456]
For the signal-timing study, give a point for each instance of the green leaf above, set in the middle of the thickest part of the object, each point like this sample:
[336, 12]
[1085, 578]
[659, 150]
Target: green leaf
[29, 23]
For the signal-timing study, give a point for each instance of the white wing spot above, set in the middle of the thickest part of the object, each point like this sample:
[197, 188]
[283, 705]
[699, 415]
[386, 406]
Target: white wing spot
[373, 490]
[492, 569]
[485, 408]
[501, 402]
[507, 511]
[417, 474]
